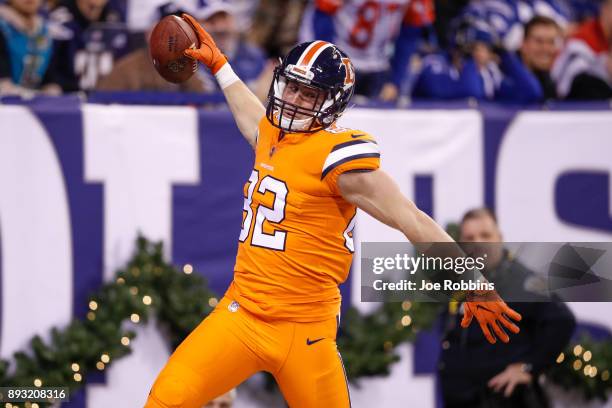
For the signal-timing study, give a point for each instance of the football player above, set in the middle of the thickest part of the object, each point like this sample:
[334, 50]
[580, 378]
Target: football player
[280, 313]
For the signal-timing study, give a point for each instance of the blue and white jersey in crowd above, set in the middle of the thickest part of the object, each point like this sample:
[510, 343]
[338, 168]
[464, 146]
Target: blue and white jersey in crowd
[509, 81]
[507, 17]
[441, 79]
[86, 50]
[363, 29]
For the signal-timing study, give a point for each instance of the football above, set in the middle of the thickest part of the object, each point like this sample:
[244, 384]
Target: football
[171, 36]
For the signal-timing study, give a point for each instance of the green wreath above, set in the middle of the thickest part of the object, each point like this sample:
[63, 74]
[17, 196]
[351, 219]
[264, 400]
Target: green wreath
[147, 285]
[181, 299]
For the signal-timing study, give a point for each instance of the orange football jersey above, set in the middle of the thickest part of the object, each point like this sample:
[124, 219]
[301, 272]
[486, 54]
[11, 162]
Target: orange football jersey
[296, 241]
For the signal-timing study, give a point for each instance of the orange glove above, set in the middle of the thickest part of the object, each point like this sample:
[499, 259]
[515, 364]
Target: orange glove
[490, 310]
[208, 53]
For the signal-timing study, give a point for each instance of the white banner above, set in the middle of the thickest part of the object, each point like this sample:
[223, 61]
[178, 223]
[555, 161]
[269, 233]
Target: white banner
[140, 154]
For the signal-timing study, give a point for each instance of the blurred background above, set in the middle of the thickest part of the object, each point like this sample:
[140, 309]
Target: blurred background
[475, 103]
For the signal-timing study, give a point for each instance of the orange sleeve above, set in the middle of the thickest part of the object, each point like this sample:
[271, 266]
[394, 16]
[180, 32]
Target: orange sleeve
[352, 155]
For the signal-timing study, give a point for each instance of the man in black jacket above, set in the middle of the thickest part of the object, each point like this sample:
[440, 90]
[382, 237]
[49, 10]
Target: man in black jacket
[540, 47]
[502, 375]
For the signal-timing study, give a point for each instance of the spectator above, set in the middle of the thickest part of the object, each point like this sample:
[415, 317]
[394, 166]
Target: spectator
[366, 30]
[275, 25]
[90, 36]
[249, 62]
[135, 71]
[476, 68]
[501, 375]
[583, 71]
[27, 60]
[224, 401]
[540, 47]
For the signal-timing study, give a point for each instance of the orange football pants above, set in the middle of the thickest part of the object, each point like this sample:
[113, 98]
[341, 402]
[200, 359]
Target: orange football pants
[232, 344]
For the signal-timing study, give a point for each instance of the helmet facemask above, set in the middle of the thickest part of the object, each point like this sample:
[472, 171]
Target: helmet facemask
[293, 118]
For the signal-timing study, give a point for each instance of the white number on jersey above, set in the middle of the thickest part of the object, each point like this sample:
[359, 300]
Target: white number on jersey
[276, 214]
[246, 223]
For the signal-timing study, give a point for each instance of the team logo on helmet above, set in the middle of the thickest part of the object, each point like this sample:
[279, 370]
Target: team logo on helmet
[349, 78]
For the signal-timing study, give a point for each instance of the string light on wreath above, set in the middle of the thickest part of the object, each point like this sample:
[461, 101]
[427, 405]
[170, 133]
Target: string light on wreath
[577, 350]
[560, 358]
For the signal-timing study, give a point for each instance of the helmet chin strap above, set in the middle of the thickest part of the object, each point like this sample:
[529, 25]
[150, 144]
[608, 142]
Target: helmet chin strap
[298, 124]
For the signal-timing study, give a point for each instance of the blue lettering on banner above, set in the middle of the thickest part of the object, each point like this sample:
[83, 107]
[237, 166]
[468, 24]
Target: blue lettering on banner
[423, 193]
[583, 198]
[206, 218]
[495, 124]
[65, 130]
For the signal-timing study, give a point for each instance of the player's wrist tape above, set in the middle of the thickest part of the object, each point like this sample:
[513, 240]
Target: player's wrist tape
[226, 76]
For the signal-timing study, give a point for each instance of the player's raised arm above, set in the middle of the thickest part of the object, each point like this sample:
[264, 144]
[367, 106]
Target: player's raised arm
[378, 195]
[245, 106]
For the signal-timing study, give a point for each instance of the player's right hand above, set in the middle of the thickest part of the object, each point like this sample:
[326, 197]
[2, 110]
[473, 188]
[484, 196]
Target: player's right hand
[208, 53]
[490, 312]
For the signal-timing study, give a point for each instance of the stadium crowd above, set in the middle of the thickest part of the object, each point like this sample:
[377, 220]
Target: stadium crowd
[516, 51]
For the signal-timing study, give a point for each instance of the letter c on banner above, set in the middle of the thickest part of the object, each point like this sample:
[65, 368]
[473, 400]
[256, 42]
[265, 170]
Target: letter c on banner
[539, 151]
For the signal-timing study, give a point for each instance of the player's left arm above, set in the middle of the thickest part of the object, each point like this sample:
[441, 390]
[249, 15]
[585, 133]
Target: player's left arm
[376, 193]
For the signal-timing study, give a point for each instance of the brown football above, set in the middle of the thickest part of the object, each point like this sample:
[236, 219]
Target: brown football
[171, 36]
